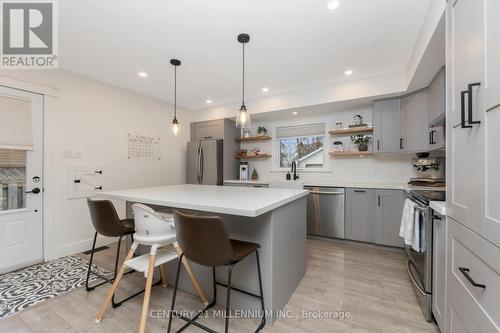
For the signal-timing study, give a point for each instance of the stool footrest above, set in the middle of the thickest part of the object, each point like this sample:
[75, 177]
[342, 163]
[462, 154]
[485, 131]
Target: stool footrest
[141, 263]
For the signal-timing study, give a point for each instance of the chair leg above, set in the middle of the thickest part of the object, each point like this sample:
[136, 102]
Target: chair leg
[171, 314]
[163, 274]
[111, 291]
[117, 260]
[147, 293]
[90, 265]
[263, 321]
[227, 314]
[195, 282]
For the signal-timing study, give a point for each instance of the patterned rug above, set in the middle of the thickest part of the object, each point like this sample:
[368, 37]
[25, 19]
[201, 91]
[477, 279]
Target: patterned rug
[31, 285]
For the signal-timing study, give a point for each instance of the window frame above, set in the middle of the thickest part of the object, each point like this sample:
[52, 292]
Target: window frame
[278, 153]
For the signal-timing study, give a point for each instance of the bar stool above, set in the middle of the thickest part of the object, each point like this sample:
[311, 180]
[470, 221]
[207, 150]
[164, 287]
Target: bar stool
[151, 229]
[205, 241]
[107, 223]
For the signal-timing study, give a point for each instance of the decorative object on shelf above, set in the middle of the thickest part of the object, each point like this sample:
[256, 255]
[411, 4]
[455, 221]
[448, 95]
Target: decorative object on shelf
[255, 152]
[338, 146]
[362, 141]
[246, 134]
[255, 175]
[339, 125]
[261, 130]
[358, 121]
[243, 152]
[243, 170]
[243, 118]
[175, 122]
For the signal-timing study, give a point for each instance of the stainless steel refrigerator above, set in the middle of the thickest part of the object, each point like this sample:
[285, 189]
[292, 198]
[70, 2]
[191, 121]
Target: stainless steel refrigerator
[205, 162]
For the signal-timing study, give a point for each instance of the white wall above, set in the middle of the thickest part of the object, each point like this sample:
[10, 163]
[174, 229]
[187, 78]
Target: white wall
[373, 169]
[96, 118]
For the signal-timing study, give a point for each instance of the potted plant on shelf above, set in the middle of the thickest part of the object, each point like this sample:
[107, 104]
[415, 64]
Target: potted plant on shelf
[261, 131]
[362, 141]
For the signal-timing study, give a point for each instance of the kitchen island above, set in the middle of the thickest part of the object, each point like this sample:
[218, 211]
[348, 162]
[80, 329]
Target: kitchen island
[273, 218]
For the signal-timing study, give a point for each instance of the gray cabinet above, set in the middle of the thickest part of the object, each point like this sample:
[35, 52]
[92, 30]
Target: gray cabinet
[414, 115]
[359, 223]
[437, 108]
[388, 212]
[386, 126]
[439, 269]
[205, 130]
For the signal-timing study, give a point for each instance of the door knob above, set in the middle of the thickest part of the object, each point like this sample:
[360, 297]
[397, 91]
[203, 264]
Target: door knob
[36, 190]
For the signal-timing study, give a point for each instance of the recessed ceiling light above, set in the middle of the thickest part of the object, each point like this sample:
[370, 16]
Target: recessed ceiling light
[265, 89]
[333, 4]
[348, 72]
[295, 113]
[208, 101]
[142, 74]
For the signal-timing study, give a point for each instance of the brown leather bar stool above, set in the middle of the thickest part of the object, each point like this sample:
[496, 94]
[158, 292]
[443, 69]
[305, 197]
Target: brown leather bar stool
[107, 223]
[204, 240]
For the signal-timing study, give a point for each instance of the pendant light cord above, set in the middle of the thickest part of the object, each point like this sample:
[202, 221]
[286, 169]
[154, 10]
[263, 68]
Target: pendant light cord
[243, 86]
[175, 92]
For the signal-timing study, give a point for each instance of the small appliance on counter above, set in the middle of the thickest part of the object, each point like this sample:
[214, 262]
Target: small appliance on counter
[244, 173]
[430, 171]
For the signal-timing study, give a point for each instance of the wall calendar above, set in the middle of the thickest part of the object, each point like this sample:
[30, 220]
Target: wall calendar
[141, 147]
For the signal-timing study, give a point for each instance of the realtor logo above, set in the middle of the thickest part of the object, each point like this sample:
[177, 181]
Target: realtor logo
[28, 34]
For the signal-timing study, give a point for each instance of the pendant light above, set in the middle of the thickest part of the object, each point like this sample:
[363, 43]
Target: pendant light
[243, 118]
[175, 122]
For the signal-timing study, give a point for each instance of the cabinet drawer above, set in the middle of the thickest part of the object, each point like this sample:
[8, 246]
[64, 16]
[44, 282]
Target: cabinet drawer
[475, 260]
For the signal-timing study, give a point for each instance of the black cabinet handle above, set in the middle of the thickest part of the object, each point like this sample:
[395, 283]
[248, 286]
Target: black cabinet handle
[435, 217]
[469, 92]
[401, 143]
[360, 191]
[98, 188]
[431, 137]
[379, 200]
[465, 272]
[462, 109]
[378, 145]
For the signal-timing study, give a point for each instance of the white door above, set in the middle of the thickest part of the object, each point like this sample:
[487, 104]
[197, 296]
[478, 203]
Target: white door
[21, 183]
[465, 174]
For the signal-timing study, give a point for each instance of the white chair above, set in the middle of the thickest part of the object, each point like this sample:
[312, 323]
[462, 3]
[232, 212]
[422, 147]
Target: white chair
[157, 231]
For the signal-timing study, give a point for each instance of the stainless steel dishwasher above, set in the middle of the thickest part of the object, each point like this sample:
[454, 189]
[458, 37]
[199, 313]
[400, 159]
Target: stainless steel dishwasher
[325, 211]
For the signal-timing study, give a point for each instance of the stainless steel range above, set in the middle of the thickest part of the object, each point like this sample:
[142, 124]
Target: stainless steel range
[419, 264]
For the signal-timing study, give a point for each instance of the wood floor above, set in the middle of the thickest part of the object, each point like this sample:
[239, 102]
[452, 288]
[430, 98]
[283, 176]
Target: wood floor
[368, 282]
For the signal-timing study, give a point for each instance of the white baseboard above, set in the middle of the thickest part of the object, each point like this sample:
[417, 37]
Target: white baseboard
[78, 247]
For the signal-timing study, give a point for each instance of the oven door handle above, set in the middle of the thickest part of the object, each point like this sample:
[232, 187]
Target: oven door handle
[412, 278]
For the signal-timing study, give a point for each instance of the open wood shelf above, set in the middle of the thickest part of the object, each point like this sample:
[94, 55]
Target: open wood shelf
[350, 153]
[352, 130]
[254, 138]
[252, 157]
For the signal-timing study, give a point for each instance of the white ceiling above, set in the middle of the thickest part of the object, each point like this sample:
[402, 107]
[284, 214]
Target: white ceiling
[295, 44]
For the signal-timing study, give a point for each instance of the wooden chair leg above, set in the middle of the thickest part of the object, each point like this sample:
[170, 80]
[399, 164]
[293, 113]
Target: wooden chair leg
[147, 294]
[196, 284]
[113, 287]
[163, 273]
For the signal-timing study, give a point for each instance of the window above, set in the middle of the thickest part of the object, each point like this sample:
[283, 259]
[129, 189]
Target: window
[302, 144]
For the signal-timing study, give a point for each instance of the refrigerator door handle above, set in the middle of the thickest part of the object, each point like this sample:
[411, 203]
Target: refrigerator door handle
[198, 163]
[201, 165]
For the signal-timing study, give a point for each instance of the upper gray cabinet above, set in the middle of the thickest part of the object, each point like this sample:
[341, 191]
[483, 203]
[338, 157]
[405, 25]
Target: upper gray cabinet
[207, 130]
[386, 125]
[437, 99]
[414, 115]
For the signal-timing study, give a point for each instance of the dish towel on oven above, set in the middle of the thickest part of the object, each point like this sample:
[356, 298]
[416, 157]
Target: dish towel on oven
[410, 226]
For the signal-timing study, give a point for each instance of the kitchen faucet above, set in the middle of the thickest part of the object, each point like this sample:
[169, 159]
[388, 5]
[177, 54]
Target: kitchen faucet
[294, 170]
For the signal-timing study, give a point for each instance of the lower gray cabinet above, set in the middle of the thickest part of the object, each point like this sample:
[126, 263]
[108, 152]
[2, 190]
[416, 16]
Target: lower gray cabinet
[359, 223]
[388, 211]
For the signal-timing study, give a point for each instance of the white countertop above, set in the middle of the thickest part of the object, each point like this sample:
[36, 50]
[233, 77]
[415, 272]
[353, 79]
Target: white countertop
[243, 201]
[439, 207]
[388, 186]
